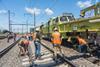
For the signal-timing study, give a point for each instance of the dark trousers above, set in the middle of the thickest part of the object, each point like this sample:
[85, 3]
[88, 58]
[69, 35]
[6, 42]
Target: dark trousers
[82, 48]
[30, 38]
[8, 40]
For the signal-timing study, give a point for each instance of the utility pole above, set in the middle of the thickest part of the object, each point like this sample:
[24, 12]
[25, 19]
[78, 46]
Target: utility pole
[9, 20]
[34, 21]
[27, 25]
[22, 29]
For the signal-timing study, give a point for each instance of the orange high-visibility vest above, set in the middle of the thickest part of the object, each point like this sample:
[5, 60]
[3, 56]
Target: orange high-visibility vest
[56, 39]
[82, 41]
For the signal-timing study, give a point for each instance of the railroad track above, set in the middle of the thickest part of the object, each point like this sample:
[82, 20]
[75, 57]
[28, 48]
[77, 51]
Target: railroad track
[4, 44]
[95, 58]
[74, 56]
[70, 59]
[62, 60]
[3, 36]
[4, 51]
[46, 59]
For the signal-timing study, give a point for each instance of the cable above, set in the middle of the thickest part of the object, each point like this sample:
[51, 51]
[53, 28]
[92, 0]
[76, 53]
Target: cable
[51, 6]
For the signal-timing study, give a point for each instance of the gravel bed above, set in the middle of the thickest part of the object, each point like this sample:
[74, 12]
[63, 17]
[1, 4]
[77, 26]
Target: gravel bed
[11, 59]
[4, 44]
[74, 56]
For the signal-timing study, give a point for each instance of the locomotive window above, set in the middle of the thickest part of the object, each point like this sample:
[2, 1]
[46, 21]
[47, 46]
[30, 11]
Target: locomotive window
[98, 10]
[63, 18]
[48, 22]
[70, 18]
[56, 20]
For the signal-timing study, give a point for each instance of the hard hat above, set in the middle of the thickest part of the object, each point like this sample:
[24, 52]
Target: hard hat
[55, 29]
[37, 29]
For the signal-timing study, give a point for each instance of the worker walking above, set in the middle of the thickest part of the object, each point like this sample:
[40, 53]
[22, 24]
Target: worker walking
[8, 37]
[56, 40]
[37, 43]
[30, 37]
[14, 36]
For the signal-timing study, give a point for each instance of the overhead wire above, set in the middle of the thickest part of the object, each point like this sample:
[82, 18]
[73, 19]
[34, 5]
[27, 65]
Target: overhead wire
[36, 4]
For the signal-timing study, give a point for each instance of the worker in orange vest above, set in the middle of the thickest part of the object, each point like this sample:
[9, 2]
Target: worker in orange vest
[82, 47]
[56, 40]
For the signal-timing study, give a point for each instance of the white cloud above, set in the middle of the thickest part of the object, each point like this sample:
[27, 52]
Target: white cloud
[33, 10]
[3, 11]
[84, 4]
[48, 11]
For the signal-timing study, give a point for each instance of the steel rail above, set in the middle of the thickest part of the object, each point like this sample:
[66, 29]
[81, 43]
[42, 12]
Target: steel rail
[63, 58]
[2, 37]
[6, 50]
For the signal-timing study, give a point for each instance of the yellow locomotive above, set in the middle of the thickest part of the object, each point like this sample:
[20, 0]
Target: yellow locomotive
[67, 24]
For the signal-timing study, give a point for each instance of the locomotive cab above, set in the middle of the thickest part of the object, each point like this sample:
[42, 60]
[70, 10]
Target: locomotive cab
[65, 18]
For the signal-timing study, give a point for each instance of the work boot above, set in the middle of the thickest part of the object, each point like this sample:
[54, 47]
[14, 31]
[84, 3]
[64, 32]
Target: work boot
[62, 55]
[39, 58]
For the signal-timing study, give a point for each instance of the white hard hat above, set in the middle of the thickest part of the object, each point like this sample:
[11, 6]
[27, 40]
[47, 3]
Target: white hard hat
[55, 29]
[37, 29]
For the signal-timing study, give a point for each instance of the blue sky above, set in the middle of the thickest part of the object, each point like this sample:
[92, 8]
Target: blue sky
[44, 9]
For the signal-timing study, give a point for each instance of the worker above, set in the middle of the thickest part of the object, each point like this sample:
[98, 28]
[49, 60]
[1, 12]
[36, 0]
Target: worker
[56, 40]
[82, 47]
[26, 44]
[21, 47]
[27, 36]
[14, 36]
[87, 34]
[37, 43]
[69, 42]
[32, 36]
[8, 37]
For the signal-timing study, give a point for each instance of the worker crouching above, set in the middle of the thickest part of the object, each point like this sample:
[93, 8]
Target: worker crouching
[21, 47]
[26, 44]
[82, 47]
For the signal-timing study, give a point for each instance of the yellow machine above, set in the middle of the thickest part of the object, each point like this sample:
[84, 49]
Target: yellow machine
[66, 23]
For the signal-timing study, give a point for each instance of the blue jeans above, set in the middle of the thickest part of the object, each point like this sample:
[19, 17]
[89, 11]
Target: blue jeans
[37, 49]
[30, 38]
[82, 48]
